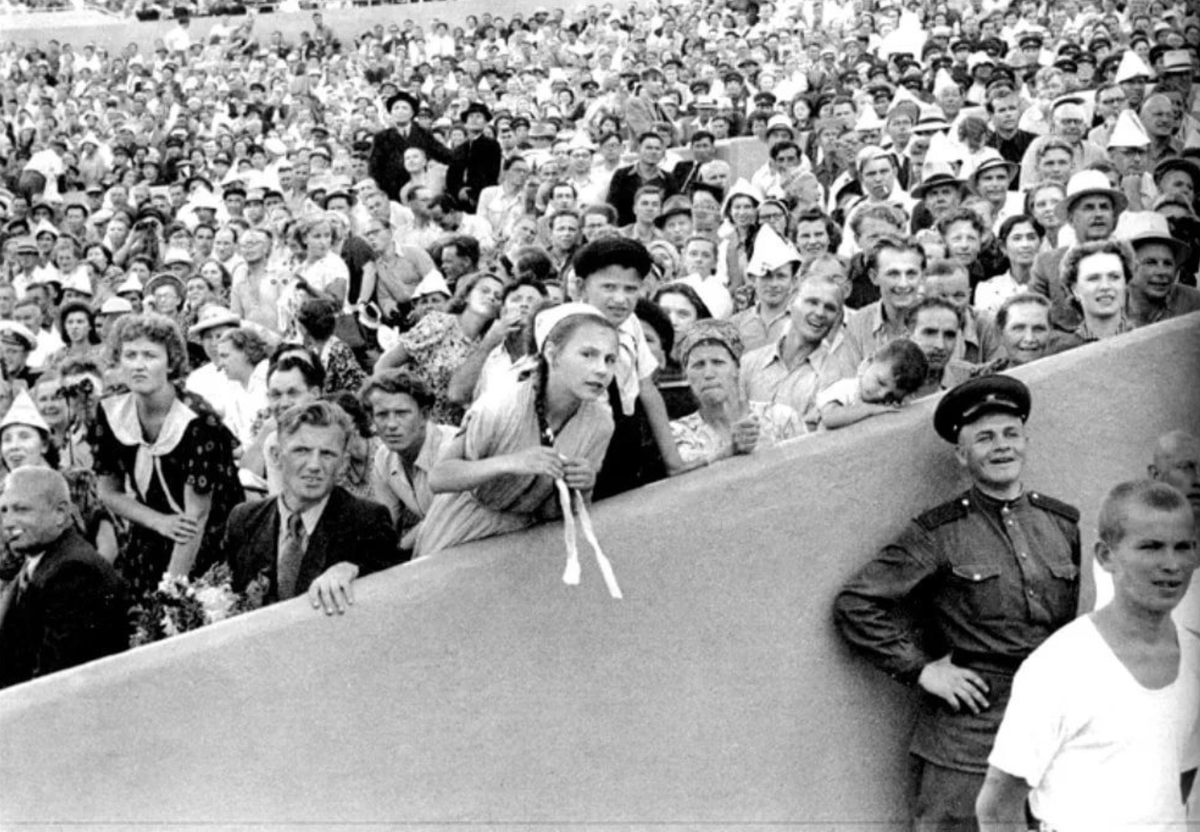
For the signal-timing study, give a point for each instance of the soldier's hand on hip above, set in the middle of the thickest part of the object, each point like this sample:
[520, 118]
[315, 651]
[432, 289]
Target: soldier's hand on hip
[956, 686]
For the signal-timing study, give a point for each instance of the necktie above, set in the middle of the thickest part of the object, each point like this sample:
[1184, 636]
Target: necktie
[291, 557]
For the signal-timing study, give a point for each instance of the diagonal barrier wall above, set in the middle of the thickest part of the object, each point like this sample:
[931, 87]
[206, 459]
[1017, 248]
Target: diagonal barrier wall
[477, 691]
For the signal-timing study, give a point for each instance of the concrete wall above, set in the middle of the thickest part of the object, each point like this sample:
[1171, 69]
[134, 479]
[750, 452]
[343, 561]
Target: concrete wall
[347, 23]
[477, 688]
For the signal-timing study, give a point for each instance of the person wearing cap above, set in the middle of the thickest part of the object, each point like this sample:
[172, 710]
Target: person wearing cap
[386, 164]
[991, 574]
[1101, 730]
[476, 161]
[1091, 208]
[1154, 293]
[208, 380]
[498, 475]
[772, 273]
[17, 343]
[1128, 148]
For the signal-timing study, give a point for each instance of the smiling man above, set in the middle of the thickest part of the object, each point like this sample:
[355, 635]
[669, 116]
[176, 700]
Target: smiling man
[990, 574]
[789, 370]
[896, 266]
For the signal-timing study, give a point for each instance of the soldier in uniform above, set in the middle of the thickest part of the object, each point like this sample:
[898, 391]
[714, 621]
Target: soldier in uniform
[966, 592]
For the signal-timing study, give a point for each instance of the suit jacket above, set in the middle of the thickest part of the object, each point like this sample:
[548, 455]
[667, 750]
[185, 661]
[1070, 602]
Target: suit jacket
[1046, 279]
[350, 529]
[476, 166]
[386, 162]
[74, 609]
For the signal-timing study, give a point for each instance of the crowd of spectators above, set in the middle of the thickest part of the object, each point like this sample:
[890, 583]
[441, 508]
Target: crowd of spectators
[434, 284]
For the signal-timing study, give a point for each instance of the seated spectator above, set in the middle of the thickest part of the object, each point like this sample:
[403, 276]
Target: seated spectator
[727, 423]
[1023, 322]
[242, 357]
[399, 405]
[1097, 275]
[893, 374]
[791, 370]
[441, 344]
[1155, 293]
[316, 320]
[26, 441]
[1021, 237]
[313, 538]
[936, 326]
[521, 300]
[498, 473]
[668, 378]
[67, 605]
[948, 280]
[772, 272]
[163, 458]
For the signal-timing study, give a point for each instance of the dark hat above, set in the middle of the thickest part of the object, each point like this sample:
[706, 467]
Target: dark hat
[978, 397]
[477, 107]
[234, 188]
[406, 96]
[1030, 39]
[151, 213]
[674, 205]
[937, 180]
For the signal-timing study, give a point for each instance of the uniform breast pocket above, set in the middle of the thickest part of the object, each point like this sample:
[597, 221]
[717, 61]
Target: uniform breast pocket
[978, 587]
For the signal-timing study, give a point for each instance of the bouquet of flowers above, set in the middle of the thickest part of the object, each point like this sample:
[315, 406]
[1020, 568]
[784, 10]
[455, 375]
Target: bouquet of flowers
[180, 604]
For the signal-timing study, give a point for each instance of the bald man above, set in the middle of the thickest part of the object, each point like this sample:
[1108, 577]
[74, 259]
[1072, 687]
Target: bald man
[67, 605]
[1162, 124]
[1177, 463]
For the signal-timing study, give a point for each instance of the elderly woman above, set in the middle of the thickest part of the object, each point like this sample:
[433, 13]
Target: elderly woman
[170, 448]
[1097, 274]
[726, 424]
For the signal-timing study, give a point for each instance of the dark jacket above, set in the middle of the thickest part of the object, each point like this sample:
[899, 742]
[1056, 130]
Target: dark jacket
[386, 163]
[74, 609]
[476, 166]
[350, 529]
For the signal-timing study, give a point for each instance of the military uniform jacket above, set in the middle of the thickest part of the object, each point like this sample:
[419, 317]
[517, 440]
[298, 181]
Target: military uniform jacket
[985, 580]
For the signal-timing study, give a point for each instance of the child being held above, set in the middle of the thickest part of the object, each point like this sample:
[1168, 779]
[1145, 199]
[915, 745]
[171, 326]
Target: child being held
[882, 384]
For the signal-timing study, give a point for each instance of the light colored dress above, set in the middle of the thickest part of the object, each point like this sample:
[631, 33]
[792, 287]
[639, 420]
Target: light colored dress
[696, 439]
[504, 421]
[436, 347]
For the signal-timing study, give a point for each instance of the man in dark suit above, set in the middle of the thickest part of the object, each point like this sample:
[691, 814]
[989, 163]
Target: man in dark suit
[476, 161]
[314, 537]
[67, 605]
[386, 163]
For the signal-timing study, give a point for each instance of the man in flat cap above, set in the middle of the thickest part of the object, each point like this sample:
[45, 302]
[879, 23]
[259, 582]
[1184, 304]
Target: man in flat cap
[988, 575]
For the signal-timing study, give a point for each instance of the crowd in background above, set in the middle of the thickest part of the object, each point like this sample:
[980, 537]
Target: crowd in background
[592, 250]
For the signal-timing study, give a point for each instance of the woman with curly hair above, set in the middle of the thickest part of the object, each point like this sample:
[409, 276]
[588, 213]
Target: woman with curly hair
[171, 448]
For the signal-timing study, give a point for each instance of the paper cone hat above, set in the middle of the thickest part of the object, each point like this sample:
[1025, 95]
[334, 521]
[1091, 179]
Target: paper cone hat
[770, 252]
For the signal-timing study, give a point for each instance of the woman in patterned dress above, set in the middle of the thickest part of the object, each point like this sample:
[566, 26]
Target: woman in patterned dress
[440, 344]
[173, 450]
